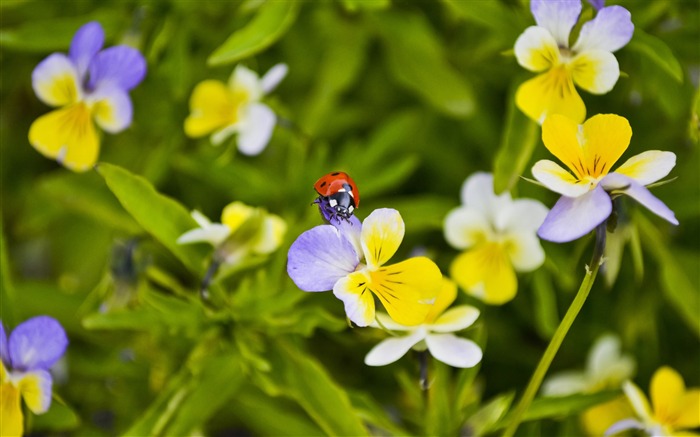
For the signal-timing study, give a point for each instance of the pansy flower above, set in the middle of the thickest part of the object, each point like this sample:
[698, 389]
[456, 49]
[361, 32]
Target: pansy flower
[673, 411]
[351, 258]
[90, 86]
[589, 63]
[589, 151]
[31, 349]
[435, 334]
[223, 109]
[232, 238]
[497, 236]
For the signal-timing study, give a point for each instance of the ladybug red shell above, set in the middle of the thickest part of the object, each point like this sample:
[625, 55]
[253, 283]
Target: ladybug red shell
[340, 193]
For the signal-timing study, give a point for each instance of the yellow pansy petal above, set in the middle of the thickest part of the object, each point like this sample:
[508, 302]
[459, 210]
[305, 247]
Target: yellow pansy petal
[112, 110]
[55, 81]
[67, 135]
[407, 289]
[596, 71]
[665, 389]
[648, 167]
[235, 213]
[447, 295]
[382, 233]
[562, 137]
[688, 413]
[606, 138]
[596, 420]
[557, 179]
[11, 420]
[455, 319]
[549, 93]
[3, 373]
[354, 290]
[35, 388]
[212, 107]
[536, 49]
[485, 272]
[270, 235]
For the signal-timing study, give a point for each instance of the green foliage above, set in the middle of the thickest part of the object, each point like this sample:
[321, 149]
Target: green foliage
[408, 97]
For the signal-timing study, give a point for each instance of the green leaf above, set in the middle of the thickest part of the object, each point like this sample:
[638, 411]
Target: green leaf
[269, 24]
[162, 217]
[355, 5]
[59, 417]
[8, 294]
[422, 213]
[487, 416]
[517, 145]
[417, 60]
[658, 52]
[492, 14]
[546, 314]
[302, 378]
[439, 417]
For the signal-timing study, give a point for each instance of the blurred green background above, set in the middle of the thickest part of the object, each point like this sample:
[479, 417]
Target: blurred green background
[410, 98]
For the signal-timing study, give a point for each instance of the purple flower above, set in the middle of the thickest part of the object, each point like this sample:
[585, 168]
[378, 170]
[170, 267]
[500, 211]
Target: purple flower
[589, 151]
[349, 258]
[88, 84]
[32, 348]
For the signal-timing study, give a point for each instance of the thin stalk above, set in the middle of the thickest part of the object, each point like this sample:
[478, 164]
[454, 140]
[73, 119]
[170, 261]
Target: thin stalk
[563, 328]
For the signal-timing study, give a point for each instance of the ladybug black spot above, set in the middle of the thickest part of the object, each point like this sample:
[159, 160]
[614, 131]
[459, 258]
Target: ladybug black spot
[335, 174]
[323, 184]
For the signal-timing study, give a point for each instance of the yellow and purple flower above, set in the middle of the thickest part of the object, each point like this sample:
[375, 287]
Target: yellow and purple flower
[497, 237]
[674, 409]
[435, 334]
[589, 151]
[90, 86]
[223, 109]
[349, 258]
[589, 63]
[31, 349]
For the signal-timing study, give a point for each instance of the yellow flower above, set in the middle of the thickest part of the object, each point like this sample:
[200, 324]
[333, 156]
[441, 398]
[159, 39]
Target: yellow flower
[675, 408]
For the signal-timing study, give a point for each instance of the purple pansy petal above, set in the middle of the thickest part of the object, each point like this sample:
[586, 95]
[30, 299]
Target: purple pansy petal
[37, 343]
[120, 66]
[113, 110]
[637, 191]
[4, 355]
[87, 42]
[610, 30]
[574, 217]
[557, 16]
[319, 257]
[597, 4]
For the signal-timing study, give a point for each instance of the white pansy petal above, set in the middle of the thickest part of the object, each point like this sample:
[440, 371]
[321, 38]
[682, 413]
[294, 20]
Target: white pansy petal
[623, 425]
[273, 77]
[638, 400]
[522, 215]
[392, 349]
[648, 167]
[596, 71]
[525, 251]
[245, 80]
[565, 384]
[610, 30]
[213, 234]
[630, 187]
[112, 109]
[270, 235]
[536, 49]
[453, 350]
[55, 81]
[557, 16]
[557, 179]
[202, 220]
[477, 193]
[35, 387]
[572, 218]
[604, 352]
[455, 319]
[465, 227]
[256, 131]
[389, 323]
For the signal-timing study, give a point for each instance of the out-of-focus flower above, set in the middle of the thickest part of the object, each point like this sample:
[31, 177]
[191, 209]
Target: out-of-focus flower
[589, 63]
[434, 334]
[589, 151]
[243, 230]
[350, 259]
[88, 84]
[224, 109]
[606, 368]
[498, 237]
[31, 349]
[675, 408]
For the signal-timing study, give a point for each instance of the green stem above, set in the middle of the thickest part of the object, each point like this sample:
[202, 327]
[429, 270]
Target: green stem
[549, 354]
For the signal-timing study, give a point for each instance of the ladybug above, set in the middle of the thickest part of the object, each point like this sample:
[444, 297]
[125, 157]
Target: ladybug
[338, 193]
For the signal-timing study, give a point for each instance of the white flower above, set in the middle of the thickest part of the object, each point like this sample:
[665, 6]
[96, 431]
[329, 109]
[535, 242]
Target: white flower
[435, 334]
